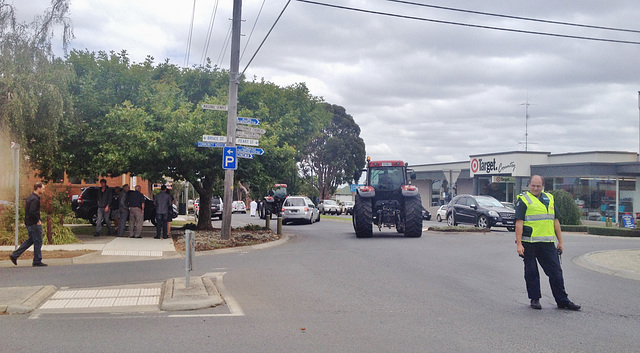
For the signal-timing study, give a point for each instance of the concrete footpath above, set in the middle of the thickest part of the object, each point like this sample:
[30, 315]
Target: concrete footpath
[173, 294]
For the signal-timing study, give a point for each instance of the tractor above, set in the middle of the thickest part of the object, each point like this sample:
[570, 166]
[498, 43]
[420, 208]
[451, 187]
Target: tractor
[388, 200]
[272, 203]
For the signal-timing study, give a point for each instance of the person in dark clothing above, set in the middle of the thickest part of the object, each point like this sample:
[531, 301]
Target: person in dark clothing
[34, 228]
[105, 197]
[163, 208]
[136, 212]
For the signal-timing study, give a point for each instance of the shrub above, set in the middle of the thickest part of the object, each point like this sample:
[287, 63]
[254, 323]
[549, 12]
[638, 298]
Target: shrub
[568, 212]
[616, 232]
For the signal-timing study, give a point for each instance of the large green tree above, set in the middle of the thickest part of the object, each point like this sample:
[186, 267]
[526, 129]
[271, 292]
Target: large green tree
[336, 155]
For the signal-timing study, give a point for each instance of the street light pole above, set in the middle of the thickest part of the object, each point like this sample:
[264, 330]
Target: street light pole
[15, 149]
[232, 117]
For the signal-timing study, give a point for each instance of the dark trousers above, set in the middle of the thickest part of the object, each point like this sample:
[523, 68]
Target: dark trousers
[546, 255]
[161, 225]
[35, 239]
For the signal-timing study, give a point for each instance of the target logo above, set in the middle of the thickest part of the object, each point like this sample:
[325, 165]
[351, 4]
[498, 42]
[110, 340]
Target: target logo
[475, 165]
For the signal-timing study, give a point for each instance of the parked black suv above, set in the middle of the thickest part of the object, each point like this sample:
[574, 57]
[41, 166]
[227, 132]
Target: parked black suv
[482, 211]
[85, 206]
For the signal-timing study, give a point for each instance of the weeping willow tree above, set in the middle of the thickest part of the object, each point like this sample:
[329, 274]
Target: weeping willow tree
[35, 102]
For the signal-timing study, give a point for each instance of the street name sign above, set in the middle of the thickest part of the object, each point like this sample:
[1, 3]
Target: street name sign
[244, 155]
[211, 144]
[215, 107]
[229, 160]
[214, 138]
[247, 142]
[248, 121]
[251, 150]
[253, 130]
[247, 135]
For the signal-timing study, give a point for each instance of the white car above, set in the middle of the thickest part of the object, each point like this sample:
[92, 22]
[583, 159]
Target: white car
[299, 208]
[238, 206]
[441, 213]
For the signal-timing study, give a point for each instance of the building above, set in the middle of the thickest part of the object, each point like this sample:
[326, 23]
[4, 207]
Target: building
[603, 183]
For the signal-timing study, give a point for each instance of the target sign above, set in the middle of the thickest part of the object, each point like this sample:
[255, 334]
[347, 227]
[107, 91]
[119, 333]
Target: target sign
[474, 165]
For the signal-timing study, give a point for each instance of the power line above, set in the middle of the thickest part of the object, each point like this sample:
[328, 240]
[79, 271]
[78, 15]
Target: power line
[515, 17]
[212, 21]
[188, 51]
[225, 45]
[252, 29]
[470, 25]
[265, 38]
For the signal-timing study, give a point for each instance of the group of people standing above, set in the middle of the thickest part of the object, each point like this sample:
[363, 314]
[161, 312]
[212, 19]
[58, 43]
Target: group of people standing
[130, 206]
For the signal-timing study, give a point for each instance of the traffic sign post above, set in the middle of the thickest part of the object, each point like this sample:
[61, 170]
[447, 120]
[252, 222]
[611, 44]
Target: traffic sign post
[250, 150]
[244, 155]
[211, 144]
[214, 138]
[247, 142]
[250, 129]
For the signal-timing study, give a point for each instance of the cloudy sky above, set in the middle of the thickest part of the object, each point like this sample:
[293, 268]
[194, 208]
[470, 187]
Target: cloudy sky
[422, 91]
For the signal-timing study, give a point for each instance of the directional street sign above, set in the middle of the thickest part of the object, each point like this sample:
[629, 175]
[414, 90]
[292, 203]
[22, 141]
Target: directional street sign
[247, 135]
[215, 107]
[214, 138]
[247, 142]
[244, 155]
[211, 144]
[229, 160]
[248, 121]
[253, 130]
[251, 150]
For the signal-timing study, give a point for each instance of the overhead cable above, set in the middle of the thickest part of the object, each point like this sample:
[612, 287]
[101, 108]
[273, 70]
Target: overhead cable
[470, 25]
[265, 38]
[515, 17]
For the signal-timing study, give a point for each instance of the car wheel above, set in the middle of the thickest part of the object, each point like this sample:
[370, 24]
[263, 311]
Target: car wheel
[439, 218]
[451, 220]
[483, 222]
[93, 219]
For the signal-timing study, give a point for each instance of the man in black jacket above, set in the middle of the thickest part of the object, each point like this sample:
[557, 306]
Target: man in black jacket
[105, 196]
[34, 228]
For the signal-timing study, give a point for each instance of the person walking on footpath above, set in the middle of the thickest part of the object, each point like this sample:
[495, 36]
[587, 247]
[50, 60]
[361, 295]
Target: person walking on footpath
[123, 210]
[105, 196]
[163, 206]
[254, 207]
[136, 212]
[537, 228]
[34, 228]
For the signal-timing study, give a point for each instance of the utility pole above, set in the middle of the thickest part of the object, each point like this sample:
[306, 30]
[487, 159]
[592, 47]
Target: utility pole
[232, 117]
[526, 125]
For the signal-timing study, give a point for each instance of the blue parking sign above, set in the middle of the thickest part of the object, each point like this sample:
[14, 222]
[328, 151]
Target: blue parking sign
[229, 159]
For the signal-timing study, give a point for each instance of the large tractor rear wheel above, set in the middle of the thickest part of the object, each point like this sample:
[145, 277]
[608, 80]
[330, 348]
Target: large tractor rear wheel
[363, 217]
[412, 217]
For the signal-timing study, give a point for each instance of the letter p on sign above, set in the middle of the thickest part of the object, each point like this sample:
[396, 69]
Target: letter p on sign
[229, 160]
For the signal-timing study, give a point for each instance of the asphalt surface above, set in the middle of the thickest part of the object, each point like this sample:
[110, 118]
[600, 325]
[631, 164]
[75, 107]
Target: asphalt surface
[174, 294]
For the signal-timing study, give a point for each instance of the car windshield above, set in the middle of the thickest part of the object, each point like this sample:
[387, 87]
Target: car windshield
[295, 202]
[330, 202]
[485, 201]
[348, 203]
[215, 201]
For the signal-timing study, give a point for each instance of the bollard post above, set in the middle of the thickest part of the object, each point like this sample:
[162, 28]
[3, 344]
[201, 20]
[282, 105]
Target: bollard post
[279, 226]
[189, 252]
[267, 223]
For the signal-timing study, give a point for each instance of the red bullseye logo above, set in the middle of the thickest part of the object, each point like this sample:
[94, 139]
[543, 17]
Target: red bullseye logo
[474, 165]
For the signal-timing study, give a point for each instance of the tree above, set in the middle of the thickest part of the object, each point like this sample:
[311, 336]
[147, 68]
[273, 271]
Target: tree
[337, 154]
[35, 103]
[568, 212]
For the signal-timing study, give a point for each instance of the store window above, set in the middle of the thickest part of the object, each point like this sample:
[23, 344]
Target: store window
[596, 197]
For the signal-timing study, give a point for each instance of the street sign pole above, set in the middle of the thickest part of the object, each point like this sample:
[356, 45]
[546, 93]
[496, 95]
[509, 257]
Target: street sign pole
[15, 149]
[232, 117]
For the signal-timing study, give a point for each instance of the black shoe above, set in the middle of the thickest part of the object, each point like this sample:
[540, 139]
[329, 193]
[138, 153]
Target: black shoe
[156, 237]
[14, 260]
[535, 304]
[569, 306]
[165, 237]
[39, 264]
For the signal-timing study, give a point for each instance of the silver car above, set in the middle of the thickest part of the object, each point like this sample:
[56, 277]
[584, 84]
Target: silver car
[299, 209]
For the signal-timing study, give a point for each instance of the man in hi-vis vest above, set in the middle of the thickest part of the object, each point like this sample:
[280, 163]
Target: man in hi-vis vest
[537, 228]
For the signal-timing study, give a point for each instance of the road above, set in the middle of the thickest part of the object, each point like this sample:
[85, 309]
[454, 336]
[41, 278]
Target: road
[327, 291]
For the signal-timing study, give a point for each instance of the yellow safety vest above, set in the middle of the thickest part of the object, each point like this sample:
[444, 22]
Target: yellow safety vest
[539, 218]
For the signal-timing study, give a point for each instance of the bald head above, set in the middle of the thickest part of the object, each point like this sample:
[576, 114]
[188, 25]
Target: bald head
[536, 184]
